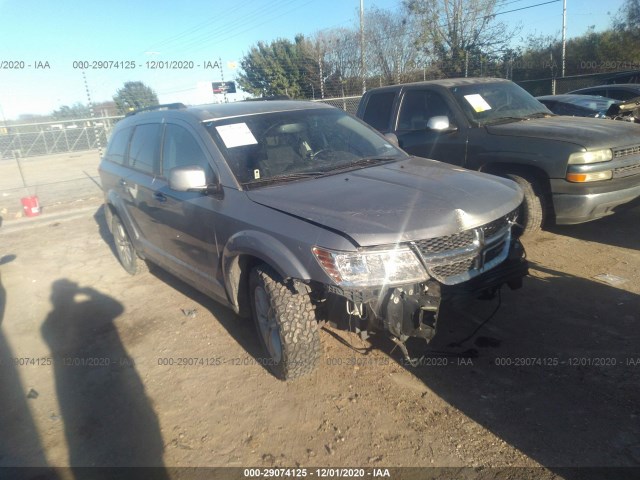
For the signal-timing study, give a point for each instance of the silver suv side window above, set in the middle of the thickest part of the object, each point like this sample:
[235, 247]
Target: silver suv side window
[118, 146]
[143, 153]
[180, 149]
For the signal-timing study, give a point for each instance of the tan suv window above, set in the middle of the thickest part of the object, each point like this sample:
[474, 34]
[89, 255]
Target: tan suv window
[180, 149]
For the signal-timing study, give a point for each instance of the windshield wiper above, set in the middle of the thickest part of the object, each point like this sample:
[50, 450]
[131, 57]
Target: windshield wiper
[284, 177]
[510, 119]
[540, 115]
[496, 121]
[363, 162]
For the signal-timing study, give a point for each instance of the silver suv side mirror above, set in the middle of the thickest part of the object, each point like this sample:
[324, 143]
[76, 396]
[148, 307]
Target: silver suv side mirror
[188, 179]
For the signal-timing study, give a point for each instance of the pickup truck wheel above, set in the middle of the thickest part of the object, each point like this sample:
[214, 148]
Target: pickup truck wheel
[286, 325]
[531, 215]
[125, 249]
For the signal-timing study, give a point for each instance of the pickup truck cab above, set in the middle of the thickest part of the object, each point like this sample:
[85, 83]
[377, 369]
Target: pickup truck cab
[572, 170]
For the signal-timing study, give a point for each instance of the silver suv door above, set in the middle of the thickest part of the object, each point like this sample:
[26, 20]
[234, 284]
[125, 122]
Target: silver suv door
[139, 188]
[186, 219]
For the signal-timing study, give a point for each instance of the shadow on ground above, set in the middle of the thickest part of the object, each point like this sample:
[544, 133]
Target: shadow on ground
[556, 372]
[108, 418]
[621, 229]
[242, 330]
[103, 229]
[559, 380]
[20, 444]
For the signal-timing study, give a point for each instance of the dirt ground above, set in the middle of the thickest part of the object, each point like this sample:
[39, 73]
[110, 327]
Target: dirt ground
[101, 368]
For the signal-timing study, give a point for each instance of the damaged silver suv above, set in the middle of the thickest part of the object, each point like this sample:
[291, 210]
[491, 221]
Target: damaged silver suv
[280, 208]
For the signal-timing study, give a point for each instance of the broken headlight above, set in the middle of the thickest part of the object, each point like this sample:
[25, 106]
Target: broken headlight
[369, 268]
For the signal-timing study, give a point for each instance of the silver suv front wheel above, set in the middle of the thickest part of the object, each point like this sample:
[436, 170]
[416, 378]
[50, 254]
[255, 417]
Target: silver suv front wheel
[286, 325]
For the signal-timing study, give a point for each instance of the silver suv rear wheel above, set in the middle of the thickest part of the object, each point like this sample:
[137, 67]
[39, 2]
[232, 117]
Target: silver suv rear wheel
[125, 249]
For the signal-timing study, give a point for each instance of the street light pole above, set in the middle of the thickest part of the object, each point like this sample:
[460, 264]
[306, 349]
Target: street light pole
[564, 32]
[362, 68]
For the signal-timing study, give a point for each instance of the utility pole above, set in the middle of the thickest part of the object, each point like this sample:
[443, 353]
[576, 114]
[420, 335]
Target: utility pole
[564, 32]
[466, 63]
[362, 68]
[321, 76]
[92, 114]
[224, 85]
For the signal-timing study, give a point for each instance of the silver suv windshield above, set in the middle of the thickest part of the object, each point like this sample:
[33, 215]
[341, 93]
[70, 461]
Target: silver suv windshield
[282, 146]
[500, 102]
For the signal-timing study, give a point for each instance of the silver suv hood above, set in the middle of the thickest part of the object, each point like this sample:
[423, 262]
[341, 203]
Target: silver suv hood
[409, 200]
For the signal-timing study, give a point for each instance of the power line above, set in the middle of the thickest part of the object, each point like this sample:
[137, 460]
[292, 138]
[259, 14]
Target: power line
[230, 29]
[195, 28]
[503, 4]
[522, 8]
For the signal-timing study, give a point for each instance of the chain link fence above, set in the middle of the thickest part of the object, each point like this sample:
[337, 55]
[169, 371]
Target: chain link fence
[348, 104]
[64, 136]
[35, 139]
[50, 138]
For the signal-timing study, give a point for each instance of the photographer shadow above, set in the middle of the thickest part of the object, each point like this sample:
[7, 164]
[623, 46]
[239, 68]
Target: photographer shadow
[108, 419]
[20, 444]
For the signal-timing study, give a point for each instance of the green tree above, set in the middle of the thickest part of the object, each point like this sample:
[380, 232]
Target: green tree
[277, 68]
[134, 95]
[77, 110]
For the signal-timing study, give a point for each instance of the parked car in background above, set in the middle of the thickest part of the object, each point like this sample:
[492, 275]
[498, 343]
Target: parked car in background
[280, 209]
[623, 91]
[571, 169]
[574, 105]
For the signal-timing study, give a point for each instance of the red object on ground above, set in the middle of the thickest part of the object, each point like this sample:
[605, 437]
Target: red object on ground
[31, 206]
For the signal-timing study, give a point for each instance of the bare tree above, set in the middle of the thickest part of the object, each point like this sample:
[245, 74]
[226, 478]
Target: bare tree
[392, 50]
[451, 29]
[338, 54]
[628, 17]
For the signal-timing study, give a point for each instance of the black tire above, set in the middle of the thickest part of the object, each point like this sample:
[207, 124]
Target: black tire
[127, 255]
[532, 213]
[286, 325]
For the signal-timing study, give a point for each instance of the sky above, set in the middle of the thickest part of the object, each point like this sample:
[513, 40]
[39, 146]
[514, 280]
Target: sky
[43, 43]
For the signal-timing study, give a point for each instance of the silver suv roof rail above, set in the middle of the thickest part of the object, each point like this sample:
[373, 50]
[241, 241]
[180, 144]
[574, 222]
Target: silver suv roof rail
[165, 106]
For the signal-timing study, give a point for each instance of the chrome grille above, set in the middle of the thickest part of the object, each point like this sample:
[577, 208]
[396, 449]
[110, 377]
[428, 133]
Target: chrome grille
[490, 229]
[623, 152]
[626, 171]
[453, 269]
[459, 257]
[448, 242]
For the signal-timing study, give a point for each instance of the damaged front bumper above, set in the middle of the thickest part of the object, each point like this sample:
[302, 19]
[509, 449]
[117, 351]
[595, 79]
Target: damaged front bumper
[412, 310]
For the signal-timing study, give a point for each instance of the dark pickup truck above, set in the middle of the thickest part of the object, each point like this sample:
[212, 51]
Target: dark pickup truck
[572, 170]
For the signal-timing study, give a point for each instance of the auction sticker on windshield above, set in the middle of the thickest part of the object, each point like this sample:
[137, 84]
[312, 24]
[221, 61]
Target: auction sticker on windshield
[236, 135]
[478, 103]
